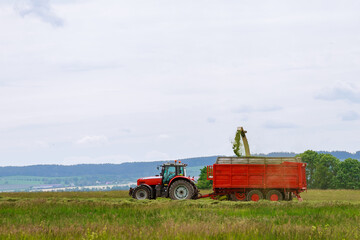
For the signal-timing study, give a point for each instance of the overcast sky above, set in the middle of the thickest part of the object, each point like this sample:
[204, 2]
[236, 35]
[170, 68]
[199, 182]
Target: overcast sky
[115, 81]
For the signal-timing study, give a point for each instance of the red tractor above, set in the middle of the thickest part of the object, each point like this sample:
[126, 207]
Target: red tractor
[172, 183]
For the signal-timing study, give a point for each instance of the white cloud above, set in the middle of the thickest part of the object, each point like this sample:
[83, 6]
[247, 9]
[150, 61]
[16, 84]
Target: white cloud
[156, 156]
[249, 109]
[350, 116]
[349, 92]
[115, 159]
[279, 124]
[163, 136]
[40, 9]
[41, 144]
[92, 140]
[211, 120]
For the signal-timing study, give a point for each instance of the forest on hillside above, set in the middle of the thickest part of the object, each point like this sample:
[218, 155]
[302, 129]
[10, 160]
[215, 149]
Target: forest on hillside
[325, 171]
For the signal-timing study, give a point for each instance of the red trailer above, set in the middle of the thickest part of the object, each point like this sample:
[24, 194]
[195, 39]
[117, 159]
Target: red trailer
[255, 178]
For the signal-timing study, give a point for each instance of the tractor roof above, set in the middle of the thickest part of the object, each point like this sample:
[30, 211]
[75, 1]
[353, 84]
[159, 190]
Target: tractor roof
[174, 164]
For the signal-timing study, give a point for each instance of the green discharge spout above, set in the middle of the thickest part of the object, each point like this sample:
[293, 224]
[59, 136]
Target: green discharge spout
[240, 135]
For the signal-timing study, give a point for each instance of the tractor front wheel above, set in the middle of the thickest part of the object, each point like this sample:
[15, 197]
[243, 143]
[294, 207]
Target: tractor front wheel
[141, 193]
[181, 190]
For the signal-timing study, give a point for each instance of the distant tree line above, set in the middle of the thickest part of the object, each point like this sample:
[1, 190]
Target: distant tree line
[324, 171]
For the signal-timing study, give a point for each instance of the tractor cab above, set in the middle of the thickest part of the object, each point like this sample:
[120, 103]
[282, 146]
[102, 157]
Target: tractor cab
[171, 170]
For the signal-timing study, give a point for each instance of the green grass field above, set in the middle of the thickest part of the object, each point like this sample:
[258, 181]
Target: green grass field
[327, 214]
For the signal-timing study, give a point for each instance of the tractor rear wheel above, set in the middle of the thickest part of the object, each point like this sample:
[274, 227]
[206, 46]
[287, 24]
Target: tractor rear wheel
[181, 190]
[141, 193]
[237, 196]
[274, 195]
[255, 195]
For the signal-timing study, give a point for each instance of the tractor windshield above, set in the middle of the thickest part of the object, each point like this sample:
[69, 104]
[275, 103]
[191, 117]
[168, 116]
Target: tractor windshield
[169, 173]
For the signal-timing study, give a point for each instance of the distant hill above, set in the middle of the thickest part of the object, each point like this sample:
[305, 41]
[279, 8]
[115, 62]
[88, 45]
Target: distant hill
[127, 170]
[341, 155]
[132, 169]
[277, 154]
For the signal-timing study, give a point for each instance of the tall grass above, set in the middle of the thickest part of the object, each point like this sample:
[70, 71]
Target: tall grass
[113, 215]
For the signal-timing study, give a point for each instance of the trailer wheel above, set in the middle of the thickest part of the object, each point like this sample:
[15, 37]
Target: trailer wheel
[181, 190]
[255, 195]
[274, 195]
[141, 193]
[238, 196]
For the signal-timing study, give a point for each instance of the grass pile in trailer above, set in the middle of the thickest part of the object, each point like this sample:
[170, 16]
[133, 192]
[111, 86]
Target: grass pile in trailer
[324, 214]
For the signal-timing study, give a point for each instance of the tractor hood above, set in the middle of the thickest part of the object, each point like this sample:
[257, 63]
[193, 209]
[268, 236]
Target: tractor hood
[154, 180]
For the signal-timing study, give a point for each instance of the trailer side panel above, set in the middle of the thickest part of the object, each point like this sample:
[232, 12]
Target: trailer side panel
[287, 175]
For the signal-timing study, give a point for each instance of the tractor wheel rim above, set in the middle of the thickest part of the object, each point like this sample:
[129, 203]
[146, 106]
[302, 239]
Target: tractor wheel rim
[141, 194]
[181, 192]
[274, 197]
[255, 197]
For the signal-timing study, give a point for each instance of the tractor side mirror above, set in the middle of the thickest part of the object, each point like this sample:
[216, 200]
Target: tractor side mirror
[158, 168]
